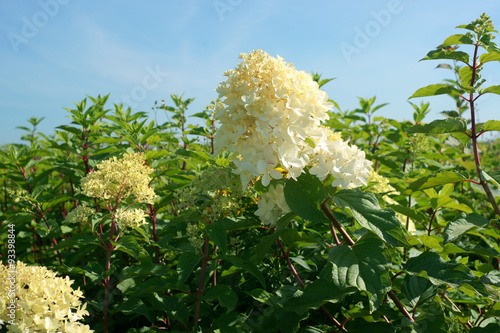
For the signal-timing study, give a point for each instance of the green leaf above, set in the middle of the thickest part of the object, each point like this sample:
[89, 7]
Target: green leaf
[144, 269]
[56, 202]
[77, 132]
[227, 298]
[262, 296]
[246, 266]
[436, 89]
[268, 241]
[366, 210]
[493, 176]
[185, 265]
[370, 327]
[94, 272]
[417, 289]
[365, 266]
[492, 277]
[491, 89]
[443, 201]
[441, 178]
[490, 56]
[490, 328]
[133, 305]
[492, 125]
[440, 271]
[129, 245]
[442, 54]
[78, 240]
[463, 224]
[304, 197]
[465, 74]
[457, 39]
[316, 294]
[440, 126]
[196, 155]
[173, 307]
[217, 233]
[294, 238]
[493, 311]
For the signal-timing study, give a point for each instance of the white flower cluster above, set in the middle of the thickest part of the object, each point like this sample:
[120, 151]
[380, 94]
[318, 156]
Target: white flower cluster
[80, 214]
[130, 217]
[272, 205]
[120, 178]
[44, 302]
[271, 116]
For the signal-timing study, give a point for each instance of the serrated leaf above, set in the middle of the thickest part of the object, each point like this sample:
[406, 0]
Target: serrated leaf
[133, 305]
[492, 90]
[457, 39]
[492, 125]
[266, 243]
[185, 265]
[304, 197]
[442, 201]
[493, 176]
[196, 155]
[246, 266]
[129, 245]
[440, 271]
[365, 265]
[417, 289]
[492, 277]
[440, 126]
[490, 328]
[436, 89]
[262, 296]
[441, 178]
[465, 74]
[490, 56]
[463, 224]
[294, 238]
[173, 307]
[79, 240]
[56, 202]
[316, 294]
[217, 233]
[94, 272]
[366, 210]
[371, 327]
[226, 297]
[442, 54]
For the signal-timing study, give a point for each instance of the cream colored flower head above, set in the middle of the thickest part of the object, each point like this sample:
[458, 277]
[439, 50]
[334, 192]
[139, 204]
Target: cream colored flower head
[217, 184]
[124, 177]
[43, 302]
[271, 117]
[272, 205]
[80, 214]
[130, 217]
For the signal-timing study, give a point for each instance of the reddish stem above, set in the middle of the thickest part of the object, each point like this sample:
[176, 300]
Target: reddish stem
[200, 282]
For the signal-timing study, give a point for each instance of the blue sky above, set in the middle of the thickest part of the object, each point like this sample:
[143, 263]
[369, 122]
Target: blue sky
[55, 52]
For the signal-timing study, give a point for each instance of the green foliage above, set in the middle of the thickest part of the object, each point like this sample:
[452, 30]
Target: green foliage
[418, 254]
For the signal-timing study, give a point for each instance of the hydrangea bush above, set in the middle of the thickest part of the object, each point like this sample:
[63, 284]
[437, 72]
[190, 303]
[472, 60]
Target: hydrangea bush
[280, 212]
